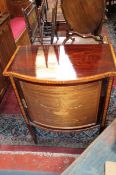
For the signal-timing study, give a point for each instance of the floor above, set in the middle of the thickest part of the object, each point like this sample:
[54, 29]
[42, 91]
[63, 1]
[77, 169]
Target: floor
[28, 159]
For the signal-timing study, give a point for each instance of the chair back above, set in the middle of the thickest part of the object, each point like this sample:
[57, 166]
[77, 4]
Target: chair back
[39, 29]
[43, 10]
[32, 22]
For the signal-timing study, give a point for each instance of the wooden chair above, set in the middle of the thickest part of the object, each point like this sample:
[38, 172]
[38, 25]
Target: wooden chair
[54, 23]
[84, 18]
[49, 28]
[32, 22]
[43, 9]
[39, 29]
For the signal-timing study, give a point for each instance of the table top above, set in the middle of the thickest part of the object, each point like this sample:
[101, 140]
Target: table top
[83, 16]
[62, 63]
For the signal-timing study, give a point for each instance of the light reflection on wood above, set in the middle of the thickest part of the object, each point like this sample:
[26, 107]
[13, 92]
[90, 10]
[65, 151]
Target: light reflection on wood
[54, 63]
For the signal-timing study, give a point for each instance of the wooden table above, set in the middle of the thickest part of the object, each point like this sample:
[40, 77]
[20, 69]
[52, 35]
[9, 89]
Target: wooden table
[84, 17]
[63, 87]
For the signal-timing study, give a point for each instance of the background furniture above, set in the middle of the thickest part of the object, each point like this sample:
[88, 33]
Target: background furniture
[92, 160]
[7, 48]
[19, 31]
[51, 82]
[83, 17]
[38, 28]
[54, 31]
[16, 15]
[3, 6]
[14, 9]
[33, 23]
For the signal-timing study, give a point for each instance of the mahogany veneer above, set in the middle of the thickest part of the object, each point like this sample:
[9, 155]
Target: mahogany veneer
[77, 63]
[63, 87]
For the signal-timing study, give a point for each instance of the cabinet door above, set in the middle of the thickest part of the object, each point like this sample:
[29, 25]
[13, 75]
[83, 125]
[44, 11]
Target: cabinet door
[7, 44]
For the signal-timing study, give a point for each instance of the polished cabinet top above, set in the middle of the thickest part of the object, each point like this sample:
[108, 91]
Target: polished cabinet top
[62, 63]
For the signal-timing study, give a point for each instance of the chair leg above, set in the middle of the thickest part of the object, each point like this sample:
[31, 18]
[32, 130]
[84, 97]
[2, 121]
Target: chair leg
[33, 133]
[47, 5]
[45, 12]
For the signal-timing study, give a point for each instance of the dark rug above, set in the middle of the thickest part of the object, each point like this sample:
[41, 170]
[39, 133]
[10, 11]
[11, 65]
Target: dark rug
[13, 131]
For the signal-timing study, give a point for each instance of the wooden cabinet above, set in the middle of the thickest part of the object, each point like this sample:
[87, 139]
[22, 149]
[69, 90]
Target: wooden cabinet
[3, 6]
[15, 7]
[63, 87]
[7, 48]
